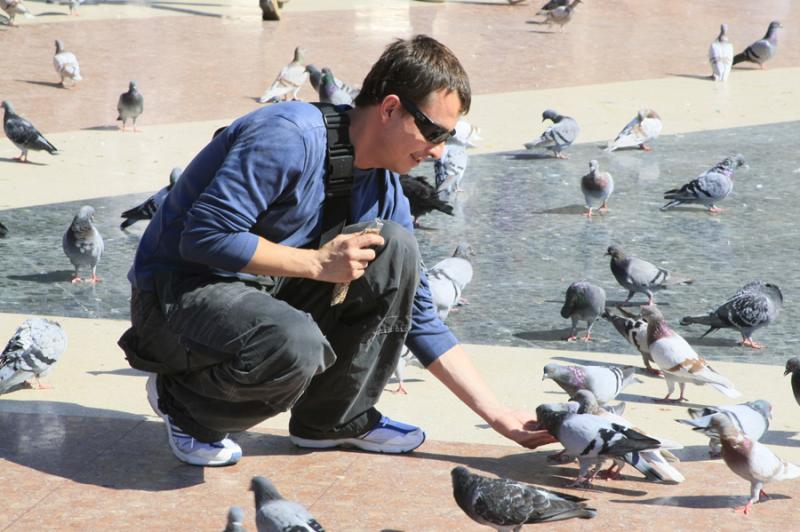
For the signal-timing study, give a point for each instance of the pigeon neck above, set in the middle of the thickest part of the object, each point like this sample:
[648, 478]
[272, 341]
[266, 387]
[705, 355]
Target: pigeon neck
[772, 34]
[657, 329]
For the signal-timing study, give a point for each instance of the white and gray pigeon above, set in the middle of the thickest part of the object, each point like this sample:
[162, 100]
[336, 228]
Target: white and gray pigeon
[450, 167]
[763, 49]
[596, 187]
[276, 514]
[604, 382]
[638, 275]
[330, 92]
[406, 359]
[130, 105]
[709, 188]
[558, 136]
[679, 362]
[448, 278]
[583, 301]
[751, 418]
[235, 520]
[634, 330]
[147, 209]
[83, 244]
[750, 460]
[73, 6]
[551, 5]
[23, 134]
[31, 352]
[315, 77]
[756, 305]
[506, 505]
[290, 80]
[793, 367]
[643, 128]
[66, 64]
[14, 8]
[561, 14]
[720, 55]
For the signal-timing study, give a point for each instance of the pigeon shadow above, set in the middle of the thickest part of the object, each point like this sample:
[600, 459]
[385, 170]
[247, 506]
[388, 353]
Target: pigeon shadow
[645, 399]
[781, 437]
[13, 160]
[566, 209]
[493, 4]
[547, 335]
[186, 11]
[543, 32]
[529, 156]
[619, 303]
[687, 209]
[102, 128]
[126, 372]
[689, 76]
[695, 501]
[693, 453]
[53, 84]
[56, 276]
[584, 362]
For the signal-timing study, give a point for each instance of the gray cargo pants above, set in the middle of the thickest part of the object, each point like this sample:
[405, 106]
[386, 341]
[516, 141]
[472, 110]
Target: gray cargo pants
[230, 354]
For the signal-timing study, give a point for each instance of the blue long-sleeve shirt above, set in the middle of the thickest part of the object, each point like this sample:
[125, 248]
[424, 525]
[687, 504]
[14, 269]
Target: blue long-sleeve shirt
[265, 176]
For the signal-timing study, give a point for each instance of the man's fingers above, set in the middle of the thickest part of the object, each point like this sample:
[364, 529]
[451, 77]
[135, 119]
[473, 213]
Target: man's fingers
[366, 240]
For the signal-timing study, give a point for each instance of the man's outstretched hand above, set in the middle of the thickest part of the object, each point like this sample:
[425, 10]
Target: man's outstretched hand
[519, 427]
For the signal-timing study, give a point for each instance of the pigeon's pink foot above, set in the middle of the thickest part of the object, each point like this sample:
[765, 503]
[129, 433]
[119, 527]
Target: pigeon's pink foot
[645, 147]
[762, 495]
[561, 156]
[588, 213]
[36, 384]
[462, 301]
[587, 338]
[581, 483]
[610, 474]
[654, 372]
[400, 389]
[76, 279]
[603, 209]
[94, 279]
[714, 210]
[748, 342]
[669, 401]
[571, 338]
[744, 509]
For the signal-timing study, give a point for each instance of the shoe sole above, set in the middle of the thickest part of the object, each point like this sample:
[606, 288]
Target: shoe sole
[357, 443]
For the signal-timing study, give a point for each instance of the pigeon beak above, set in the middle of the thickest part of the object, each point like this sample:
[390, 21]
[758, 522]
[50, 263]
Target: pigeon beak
[785, 373]
[544, 378]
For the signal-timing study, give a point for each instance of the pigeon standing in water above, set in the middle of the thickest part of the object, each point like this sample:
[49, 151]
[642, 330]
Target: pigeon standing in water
[276, 514]
[755, 306]
[290, 80]
[422, 197]
[596, 186]
[558, 136]
[793, 367]
[644, 127]
[709, 188]
[66, 64]
[751, 418]
[506, 505]
[330, 92]
[23, 134]
[605, 383]
[634, 330]
[83, 244]
[235, 520]
[584, 301]
[720, 55]
[130, 105]
[35, 347]
[750, 460]
[637, 275]
[148, 208]
[762, 50]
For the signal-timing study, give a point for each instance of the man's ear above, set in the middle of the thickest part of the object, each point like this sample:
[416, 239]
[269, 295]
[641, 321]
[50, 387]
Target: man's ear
[389, 105]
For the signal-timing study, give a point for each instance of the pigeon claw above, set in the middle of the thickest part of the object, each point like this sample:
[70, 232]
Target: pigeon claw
[571, 338]
[76, 280]
[654, 372]
[645, 147]
[400, 389]
[744, 509]
[748, 342]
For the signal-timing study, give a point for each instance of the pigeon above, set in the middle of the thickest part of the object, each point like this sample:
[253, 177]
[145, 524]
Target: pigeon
[750, 460]
[330, 92]
[644, 127]
[450, 167]
[561, 15]
[290, 80]
[315, 77]
[755, 306]
[235, 520]
[34, 349]
[83, 244]
[3, 230]
[130, 105]
[763, 49]
[448, 278]
[23, 134]
[406, 359]
[422, 197]
[276, 514]
[148, 208]
[751, 418]
[558, 136]
[506, 505]
[73, 7]
[720, 55]
[793, 367]
[592, 440]
[14, 7]
[551, 5]
[634, 330]
[596, 186]
[584, 301]
[709, 188]
[605, 383]
[66, 64]
[677, 360]
[637, 275]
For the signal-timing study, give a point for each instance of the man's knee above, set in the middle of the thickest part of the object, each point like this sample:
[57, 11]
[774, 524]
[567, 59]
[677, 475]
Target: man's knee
[401, 245]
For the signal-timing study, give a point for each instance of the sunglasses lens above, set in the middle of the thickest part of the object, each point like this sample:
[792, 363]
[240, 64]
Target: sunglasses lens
[435, 134]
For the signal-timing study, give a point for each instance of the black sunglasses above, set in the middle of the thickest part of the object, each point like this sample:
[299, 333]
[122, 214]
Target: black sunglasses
[433, 132]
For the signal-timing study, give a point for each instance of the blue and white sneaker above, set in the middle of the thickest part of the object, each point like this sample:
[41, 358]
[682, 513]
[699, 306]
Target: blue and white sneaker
[185, 447]
[387, 436]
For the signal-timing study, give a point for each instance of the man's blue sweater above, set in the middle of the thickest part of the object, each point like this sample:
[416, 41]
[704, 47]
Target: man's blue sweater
[265, 176]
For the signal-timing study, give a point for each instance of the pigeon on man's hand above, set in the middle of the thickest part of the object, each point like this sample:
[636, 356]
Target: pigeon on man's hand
[276, 514]
[763, 49]
[506, 505]
[751, 418]
[637, 275]
[643, 128]
[31, 352]
[290, 80]
[634, 330]
[235, 520]
[66, 64]
[605, 383]
[130, 105]
[23, 134]
[422, 197]
[558, 136]
[83, 244]
[709, 188]
[755, 306]
[148, 208]
[720, 55]
[584, 301]
[596, 186]
[793, 367]
[750, 460]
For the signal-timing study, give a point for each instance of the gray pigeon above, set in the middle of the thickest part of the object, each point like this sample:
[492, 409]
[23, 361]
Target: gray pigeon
[643, 128]
[83, 244]
[604, 382]
[558, 136]
[750, 460]
[448, 278]
[596, 186]
[793, 367]
[23, 134]
[130, 105]
[720, 55]
[315, 77]
[755, 306]
[35, 347]
[450, 167]
[276, 514]
[148, 208]
[290, 80]
[235, 520]
[584, 301]
[561, 15]
[551, 5]
[634, 330]
[506, 505]
[330, 92]
[709, 188]
[763, 49]
[637, 275]
[66, 64]
[751, 418]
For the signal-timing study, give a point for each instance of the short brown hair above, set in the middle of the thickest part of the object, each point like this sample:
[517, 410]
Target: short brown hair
[415, 68]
